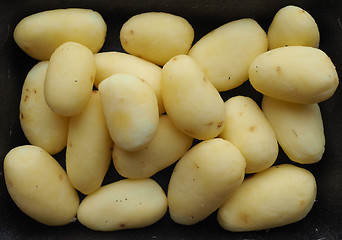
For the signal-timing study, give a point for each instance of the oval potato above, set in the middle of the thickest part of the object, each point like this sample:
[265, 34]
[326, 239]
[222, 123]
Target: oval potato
[40, 34]
[39, 186]
[126, 204]
[275, 197]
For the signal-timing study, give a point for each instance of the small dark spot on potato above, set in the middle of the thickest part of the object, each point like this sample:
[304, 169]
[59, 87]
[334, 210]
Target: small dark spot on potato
[27, 90]
[34, 91]
[252, 128]
[75, 80]
[219, 124]
[243, 217]
[111, 149]
[229, 78]
[122, 225]
[10, 183]
[294, 132]
[142, 80]
[302, 203]
[193, 179]
[21, 115]
[26, 97]
[60, 176]
[278, 68]
[286, 45]
[196, 165]
[124, 40]
[211, 123]
[131, 31]
[188, 131]
[174, 59]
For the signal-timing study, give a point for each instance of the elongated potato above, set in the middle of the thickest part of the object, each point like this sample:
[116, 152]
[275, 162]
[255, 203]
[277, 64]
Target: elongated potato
[40, 34]
[295, 74]
[225, 54]
[89, 148]
[276, 197]
[156, 36]
[129, 203]
[131, 110]
[41, 126]
[249, 130]
[109, 63]
[191, 101]
[203, 179]
[69, 79]
[168, 145]
[39, 186]
[298, 127]
[293, 26]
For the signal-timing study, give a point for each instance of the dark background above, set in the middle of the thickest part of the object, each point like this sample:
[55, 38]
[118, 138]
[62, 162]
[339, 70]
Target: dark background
[325, 219]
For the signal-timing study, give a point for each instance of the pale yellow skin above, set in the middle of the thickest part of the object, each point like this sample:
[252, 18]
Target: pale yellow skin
[298, 127]
[190, 99]
[168, 145]
[249, 130]
[126, 204]
[203, 179]
[40, 34]
[69, 79]
[41, 126]
[131, 110]
[293, 26]
[295, 74]
[156, 36]
[109, 63]
[272, 198]
[39, 186]
[225, 53]
[89, 148]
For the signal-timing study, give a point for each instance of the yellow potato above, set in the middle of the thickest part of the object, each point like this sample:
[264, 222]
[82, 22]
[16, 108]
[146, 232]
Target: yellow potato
[40, 34]
[109, 63]
[39, 186]
[191, 101]
[41, 126]
[249, 130]
[89, 148]
[276, 197]
[203, 179]
[296, 74]
[131, 110]
[126, 204]
[156, 36]
[225, 54]
[69, 79]
[298, 127]
[293, 26]
[168, 145]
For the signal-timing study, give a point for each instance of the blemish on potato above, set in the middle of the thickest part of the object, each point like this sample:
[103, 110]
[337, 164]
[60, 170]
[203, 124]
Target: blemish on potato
[252, 128]
[204, 79]
[243, 217]
[219, 124]
[188, 131]
[295, 133]
[211, 123]
[60, 176]
[278, 69]
[122, 225]
[34, 91]
[131, 31]
[174, 59]
[196, 165]
[21, 115]
[26, 97]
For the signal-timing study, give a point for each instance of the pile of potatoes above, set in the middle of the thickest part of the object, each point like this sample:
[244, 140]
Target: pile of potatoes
[144, 108]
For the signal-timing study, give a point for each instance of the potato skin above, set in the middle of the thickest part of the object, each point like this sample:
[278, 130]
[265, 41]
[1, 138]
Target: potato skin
[272, 198]
[39, 186]
[41, 126]
[40, 34]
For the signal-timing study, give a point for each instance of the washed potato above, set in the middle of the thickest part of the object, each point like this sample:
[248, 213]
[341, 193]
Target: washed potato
[296, 74]
[225, 54]
[69, 79]
[41, 126]
[203, 179]
[40, 34]
[129, 203]
[109, 63]
[168, 145]
[249, 130]
[39, 186]
[89, 148]
[293, 26]
[131, 110]
[298, 127]
[156, 36]
[276, 197]
[190, 100]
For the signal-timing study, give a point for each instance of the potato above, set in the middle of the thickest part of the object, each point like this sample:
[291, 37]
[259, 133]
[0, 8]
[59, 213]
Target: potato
[191, 101]
[69, 79]
[203, 179]
[39, 186]
[275, 197]
[131, 110]
[41, 126]
[40, 34]
[295, 74]
[298, 127]
[109, 63]
[89, 148]
[129, 203]
[225, 54]
[168, 145]
[249, 130]
[156, 36]
[293, 26]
